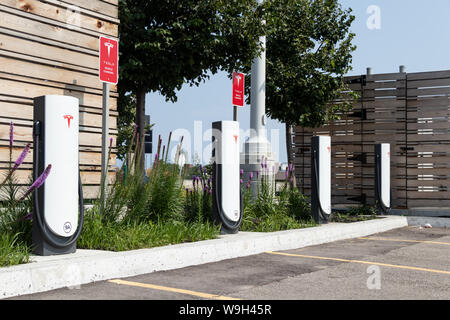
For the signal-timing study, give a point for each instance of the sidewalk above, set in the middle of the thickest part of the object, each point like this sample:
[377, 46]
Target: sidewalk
[85, 266]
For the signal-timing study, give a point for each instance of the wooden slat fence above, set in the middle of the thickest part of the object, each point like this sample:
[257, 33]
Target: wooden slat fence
[411, 111]
[51, 47]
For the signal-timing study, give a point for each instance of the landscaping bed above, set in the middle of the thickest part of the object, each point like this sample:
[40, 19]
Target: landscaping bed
[153, 209]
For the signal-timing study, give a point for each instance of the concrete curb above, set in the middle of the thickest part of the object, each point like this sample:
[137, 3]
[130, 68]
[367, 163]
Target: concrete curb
[85, 266]
[435, 222]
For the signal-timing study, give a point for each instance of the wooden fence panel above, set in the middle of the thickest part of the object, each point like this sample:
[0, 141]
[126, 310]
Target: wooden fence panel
[409, 111]
[51, 47]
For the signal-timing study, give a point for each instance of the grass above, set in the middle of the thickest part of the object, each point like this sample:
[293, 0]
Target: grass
[15, 211]
[361, 213]
[269, 212]
[12, 250]
[149, 211]
[272, 223]
[116, 236]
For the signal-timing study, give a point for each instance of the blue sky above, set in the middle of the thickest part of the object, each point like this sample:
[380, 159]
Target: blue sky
[413, 33]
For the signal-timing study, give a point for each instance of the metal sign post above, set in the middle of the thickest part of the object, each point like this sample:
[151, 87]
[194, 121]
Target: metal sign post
[108, 73]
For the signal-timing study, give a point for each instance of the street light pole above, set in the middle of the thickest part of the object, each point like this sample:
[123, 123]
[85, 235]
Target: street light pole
[257, 149]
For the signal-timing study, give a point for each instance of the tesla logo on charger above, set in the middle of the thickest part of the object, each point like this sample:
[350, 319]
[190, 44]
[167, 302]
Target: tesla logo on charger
[235, 138]
[68, 117]
[329, 149]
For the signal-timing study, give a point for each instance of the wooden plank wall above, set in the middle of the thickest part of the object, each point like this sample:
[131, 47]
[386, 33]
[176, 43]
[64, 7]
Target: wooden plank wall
[411, 111]
[51, 47]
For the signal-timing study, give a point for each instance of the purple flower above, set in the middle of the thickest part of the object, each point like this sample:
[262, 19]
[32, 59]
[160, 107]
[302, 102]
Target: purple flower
[291, 180]
[210, 191]
[290, 167]
[263, 164]
[286, 174]
[156, 157]
[11, 134]
[247, 185]
[241, 172]
[110, 142]
[250, 176]
[18, 162]
[257, 174]
[22, 157]
[241, 181]
[39, 181]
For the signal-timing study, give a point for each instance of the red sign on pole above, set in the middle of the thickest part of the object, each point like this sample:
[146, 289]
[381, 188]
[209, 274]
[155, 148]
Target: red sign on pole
[109, 60]
[238, 89]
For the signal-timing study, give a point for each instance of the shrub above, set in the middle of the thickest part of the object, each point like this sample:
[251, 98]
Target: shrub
[16, 209]
[198, 200]
[364, 210]
[145, 211]
[268, 212]
[165, 193]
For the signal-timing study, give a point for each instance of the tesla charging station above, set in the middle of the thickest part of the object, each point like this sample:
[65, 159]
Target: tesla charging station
[321, 178]
[227, 205]
[58, 204]
[383, 176]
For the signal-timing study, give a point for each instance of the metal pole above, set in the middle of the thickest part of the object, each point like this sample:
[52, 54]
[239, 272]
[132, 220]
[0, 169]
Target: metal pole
[105, 144]
[258, 94]
[257, 147]
[235, 113]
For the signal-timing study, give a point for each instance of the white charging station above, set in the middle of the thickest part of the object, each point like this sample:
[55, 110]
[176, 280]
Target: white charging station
[227, 206]
[321, 178]
[58, 204]
[383, 176]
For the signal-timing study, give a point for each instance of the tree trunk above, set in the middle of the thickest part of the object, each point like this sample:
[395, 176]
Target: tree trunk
[289, 143]
[140, 122]
[290, 155]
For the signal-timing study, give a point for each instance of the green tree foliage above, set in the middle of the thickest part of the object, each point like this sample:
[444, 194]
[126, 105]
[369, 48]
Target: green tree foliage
[309, 47]
[309, 51]
[167, 43]
[126, 106]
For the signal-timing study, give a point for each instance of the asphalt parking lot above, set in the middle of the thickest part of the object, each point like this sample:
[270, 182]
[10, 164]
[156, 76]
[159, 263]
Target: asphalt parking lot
[406, 263]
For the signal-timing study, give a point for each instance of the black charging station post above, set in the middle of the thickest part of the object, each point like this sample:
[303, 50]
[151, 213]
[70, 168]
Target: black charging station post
[58, 203]
[321, 178]
[226, 191]
[383, 177]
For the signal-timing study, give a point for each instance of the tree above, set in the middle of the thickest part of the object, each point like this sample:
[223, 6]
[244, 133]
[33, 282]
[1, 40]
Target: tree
[308, 52]
[126, 107]
[167, 43]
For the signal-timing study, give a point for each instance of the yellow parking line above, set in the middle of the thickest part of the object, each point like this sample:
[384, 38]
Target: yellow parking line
[404, 240]
[169, 289]
[361, 262]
